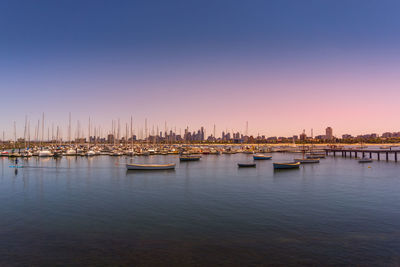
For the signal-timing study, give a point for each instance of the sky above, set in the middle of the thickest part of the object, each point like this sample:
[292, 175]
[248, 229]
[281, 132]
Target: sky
[283, 65]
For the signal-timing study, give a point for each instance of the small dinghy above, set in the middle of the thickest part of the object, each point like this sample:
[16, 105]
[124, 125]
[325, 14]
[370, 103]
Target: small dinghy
[261, 157]
[305, 161]
[132, 166]
[189, 158]
[316, 156]
[286, 165]
[365, 160]
[246, 165]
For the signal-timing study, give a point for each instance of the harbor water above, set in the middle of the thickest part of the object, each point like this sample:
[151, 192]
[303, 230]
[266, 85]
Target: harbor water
[92, 211]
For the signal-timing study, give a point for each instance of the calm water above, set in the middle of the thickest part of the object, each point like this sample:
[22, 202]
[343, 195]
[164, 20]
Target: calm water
[92, 211]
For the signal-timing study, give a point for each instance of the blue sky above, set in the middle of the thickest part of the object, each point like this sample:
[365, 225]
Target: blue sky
[207, 61]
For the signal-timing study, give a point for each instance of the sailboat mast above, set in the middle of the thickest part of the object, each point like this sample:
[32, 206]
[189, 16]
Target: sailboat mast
[42, 138]
[37, 132]
[131, 134]
[69, 129]
[15, 134]
[25, 131]
[29, 133]
[89, 134]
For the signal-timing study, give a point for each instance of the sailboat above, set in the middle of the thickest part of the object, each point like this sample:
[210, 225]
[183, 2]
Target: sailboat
[90, 152]
[45, 153]
[309, 159]
[71, 152]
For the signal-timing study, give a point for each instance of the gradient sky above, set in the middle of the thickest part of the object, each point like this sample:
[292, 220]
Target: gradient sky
[284, 66]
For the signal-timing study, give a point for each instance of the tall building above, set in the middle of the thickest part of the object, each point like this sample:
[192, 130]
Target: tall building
[110, 138]
[303, 136]
[329, 133]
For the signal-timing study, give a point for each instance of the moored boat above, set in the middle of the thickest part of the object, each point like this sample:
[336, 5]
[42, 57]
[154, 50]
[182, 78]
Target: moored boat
[90, 153]
[4, 154]
[214, 152]
[189, 158]
[246, 165]
[316, 156]
[286, 165]
[14, 155]
[303, 161]
[132, 166]
[45, 153]
[26, 154]
[57, 154]
[365, 160]
[261, 157]
[71, 152]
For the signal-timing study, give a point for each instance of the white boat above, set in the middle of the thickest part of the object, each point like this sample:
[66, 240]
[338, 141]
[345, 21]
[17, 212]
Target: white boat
[365, 160]
[71, 152]
[90, 153]
[169, 166]
[45, 153]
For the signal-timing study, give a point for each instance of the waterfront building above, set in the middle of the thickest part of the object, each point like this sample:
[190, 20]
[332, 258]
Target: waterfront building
[347, 136]
[303, 136]
[329, 133]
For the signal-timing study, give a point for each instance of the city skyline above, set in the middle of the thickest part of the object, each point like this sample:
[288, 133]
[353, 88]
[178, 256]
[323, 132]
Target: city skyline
[43, 130]
[283, 68]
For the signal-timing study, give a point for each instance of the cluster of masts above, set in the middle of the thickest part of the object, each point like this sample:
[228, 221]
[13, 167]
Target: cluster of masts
[44, 133]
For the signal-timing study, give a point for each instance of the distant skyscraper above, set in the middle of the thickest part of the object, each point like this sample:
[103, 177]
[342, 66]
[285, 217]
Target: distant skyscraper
[110, 138]
[329, 133]
[303, 136]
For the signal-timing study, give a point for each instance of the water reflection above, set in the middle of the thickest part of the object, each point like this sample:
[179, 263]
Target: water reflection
[93, 210]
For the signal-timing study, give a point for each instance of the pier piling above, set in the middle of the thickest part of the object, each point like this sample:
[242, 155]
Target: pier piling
[363, 152]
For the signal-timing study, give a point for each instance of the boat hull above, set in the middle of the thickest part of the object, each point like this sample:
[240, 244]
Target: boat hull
[316, 156]
[262, 157]
[246, 165]
[150, 167]
[291, 165]
[365, 161]
[306, 161]
[189, 158]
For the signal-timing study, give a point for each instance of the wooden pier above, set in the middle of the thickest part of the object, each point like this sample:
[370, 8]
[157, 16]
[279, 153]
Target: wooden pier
[363, 152]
